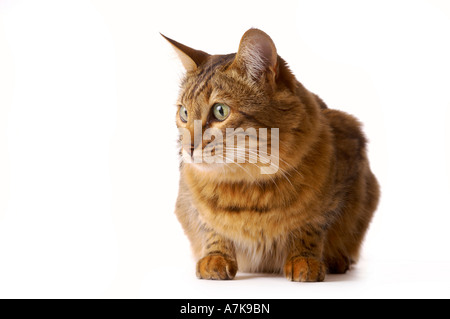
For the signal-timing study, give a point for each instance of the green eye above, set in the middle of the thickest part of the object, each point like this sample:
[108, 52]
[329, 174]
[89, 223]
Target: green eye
[183, 114]
[221, 111]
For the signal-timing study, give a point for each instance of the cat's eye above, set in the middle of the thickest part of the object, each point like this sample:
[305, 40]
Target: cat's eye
[183, 114]
[221, 111]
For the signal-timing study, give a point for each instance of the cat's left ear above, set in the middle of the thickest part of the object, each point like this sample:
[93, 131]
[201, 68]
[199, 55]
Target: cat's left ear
[190, 58]
[257, 55]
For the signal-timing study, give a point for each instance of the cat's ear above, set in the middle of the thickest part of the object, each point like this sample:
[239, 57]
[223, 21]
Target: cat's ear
[190, 58]
[257, 54]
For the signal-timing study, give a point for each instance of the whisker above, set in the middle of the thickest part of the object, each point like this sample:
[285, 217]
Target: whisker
[254, 156]
[273, 180]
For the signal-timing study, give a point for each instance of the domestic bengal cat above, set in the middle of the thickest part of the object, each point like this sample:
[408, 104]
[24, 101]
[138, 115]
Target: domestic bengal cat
[306, 219]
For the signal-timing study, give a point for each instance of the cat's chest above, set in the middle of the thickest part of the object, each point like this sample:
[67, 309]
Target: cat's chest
[246, 214]
[244, 197]
[235, 202]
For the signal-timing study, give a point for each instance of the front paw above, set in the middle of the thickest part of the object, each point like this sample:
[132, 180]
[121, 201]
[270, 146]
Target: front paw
[216, 267]
[304, 269]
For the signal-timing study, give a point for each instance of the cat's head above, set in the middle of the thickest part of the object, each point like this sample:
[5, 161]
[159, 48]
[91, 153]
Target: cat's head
[227, 99]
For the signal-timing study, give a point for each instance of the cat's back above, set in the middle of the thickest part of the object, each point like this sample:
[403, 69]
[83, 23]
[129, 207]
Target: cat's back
[349, 139]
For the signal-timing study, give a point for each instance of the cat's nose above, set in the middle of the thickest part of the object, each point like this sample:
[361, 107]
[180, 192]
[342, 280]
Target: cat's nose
[196, 145]
[189, 148]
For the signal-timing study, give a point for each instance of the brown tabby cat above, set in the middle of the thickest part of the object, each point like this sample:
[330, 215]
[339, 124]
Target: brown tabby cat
[308, 218]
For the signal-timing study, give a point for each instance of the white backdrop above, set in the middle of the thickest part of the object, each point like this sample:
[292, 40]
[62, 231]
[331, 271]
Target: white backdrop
[88, 164]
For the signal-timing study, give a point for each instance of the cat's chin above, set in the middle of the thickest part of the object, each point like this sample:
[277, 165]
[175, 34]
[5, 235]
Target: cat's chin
[226, 172]
[229, 170]
[213, 167]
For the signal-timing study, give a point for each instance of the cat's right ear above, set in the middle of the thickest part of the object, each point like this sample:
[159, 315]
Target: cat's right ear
[190, 58]
[257, 55]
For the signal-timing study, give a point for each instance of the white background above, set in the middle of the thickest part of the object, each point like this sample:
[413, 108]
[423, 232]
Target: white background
[88, 161]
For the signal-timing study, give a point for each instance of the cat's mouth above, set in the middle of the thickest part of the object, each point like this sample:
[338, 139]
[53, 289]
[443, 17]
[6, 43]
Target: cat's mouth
[237, 170]
[225, 160]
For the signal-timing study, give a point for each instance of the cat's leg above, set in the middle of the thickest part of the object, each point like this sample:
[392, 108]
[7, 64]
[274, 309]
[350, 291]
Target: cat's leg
[304, 262]
[219, 261]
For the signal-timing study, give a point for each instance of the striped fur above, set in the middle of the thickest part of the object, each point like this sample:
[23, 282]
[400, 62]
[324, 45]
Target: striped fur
[307, 219]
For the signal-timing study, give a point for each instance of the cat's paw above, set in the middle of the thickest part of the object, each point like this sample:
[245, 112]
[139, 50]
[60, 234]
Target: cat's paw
[338, 265]
[304, 269]
[216, 267]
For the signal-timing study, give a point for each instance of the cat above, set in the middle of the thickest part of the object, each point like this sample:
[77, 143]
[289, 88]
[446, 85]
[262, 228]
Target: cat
[308, 218]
